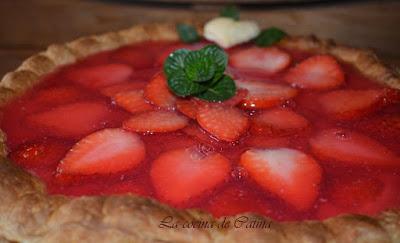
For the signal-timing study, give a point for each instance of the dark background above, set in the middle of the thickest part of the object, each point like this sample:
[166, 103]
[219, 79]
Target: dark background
[28, 26]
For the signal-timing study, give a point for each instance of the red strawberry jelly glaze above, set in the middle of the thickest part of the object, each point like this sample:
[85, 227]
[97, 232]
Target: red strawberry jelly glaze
[239, 192]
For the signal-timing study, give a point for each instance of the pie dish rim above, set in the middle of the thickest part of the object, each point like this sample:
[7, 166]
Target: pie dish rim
[29, 214]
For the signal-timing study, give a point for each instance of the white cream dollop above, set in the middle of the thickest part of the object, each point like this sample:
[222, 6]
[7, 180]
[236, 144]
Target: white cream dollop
[227, 32]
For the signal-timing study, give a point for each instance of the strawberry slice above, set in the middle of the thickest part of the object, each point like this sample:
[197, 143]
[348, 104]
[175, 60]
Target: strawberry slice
[264, 95]
[134, 57]
[112, 90]
[158, 93]
[188, 107]
[351, 148]
[356, 192]
[327, 210]
[71, 120]
[191, 173]
[50, 97]
[57, 96]
[103, 152]
[270, 60]
[45, 153]
[101, 75]
[144, 75]
[156, 121]
[240, 95]
[290, 174]
[319, 72]
[364, 195]
[236, 200]
[278, 121]
[167, 51]
[132, 101]
[204, 137]
[350, 104]
[386, 126]
[224, 122]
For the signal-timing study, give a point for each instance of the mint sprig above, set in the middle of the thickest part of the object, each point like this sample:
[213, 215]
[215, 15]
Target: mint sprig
[199, 67]
[187, 33]
[222, 90]
[230, 11]
[175, 62]
[199, 73]
[183, 87]
[220, 59]
[269, 37]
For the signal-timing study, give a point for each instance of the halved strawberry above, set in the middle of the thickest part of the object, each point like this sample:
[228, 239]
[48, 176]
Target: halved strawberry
[319, 72]
[327, 210]
[363, 195]
[240, 95]
[45, 153]
[71, 120]
[101, 75]
[290, 174]
[134, 56]
[351, 148]
[264, 95]
[167, 51]
[112, 90]
[385, 126]
[188, 107]
[204, 137]
[132, 101]
[350, 104]
[158, 93]
[392, 96]
[355, 192]
[191, 173]
[236, 200]
[278, 121]
[103, 152]
[269, 60]
[224, 122]
[144, 75]
[57, 95]
[50, 97]
[155, 121]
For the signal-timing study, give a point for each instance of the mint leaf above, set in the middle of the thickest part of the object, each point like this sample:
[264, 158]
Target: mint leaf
[182, 86]
[269, 37]
[187, 33]
[175, 62]
[230, 11]
[220, 91]
[219, 57]
[199, 67]
[199, 73]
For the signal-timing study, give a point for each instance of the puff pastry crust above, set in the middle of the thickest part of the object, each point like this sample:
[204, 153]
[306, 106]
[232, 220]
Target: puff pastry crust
[29, 214]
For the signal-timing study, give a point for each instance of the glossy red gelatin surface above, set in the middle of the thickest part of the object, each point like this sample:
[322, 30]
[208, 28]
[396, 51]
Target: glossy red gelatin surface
[345, 187]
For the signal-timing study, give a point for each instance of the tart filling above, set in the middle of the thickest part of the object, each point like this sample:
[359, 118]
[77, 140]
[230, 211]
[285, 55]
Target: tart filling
[303, 137]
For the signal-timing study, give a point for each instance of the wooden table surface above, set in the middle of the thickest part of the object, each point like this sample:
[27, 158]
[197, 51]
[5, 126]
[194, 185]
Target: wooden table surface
[28, 26]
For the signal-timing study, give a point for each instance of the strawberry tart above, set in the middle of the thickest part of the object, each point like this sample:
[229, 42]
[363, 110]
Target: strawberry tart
[142, 134]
